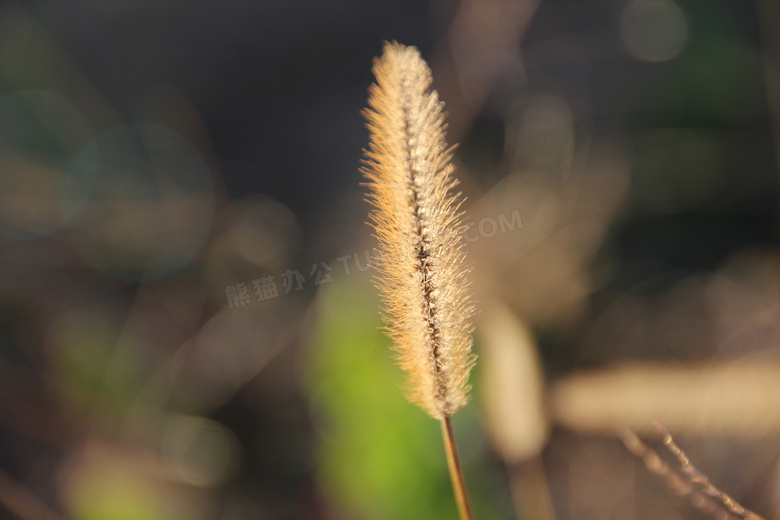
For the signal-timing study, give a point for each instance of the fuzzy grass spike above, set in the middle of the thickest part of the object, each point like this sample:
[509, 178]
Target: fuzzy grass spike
[422, 277]
[422, 274]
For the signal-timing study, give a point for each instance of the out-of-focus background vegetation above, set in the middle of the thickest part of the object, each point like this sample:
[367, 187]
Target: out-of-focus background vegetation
[187, 326]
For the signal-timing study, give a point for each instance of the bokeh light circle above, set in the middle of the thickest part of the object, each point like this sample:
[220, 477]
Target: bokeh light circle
[653, 30]
[150, 207]
[40, 132]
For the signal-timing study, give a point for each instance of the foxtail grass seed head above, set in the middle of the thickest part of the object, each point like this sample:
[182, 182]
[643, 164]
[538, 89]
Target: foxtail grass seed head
[422, 275]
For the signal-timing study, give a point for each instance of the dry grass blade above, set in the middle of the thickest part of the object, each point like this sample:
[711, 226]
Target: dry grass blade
[737, 398]
[701, 481]
[689, 481]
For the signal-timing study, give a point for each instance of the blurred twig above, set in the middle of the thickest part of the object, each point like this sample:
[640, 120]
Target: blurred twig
[482, 42]
[513, 403]
[530, 489]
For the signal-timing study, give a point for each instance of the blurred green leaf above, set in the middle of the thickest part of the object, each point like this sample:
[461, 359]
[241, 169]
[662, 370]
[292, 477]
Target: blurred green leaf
[380, 456]
[111, 494]
[99, 368]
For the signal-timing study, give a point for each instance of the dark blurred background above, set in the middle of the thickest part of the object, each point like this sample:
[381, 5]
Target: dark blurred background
[187, 324]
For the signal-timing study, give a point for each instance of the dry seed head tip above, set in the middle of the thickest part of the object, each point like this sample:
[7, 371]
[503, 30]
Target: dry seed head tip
[422, 276]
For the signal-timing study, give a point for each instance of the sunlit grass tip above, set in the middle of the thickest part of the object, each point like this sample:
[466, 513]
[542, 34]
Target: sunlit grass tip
[422, 274]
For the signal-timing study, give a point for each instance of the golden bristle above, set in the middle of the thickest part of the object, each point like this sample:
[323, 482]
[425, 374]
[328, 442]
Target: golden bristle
[422, 277]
